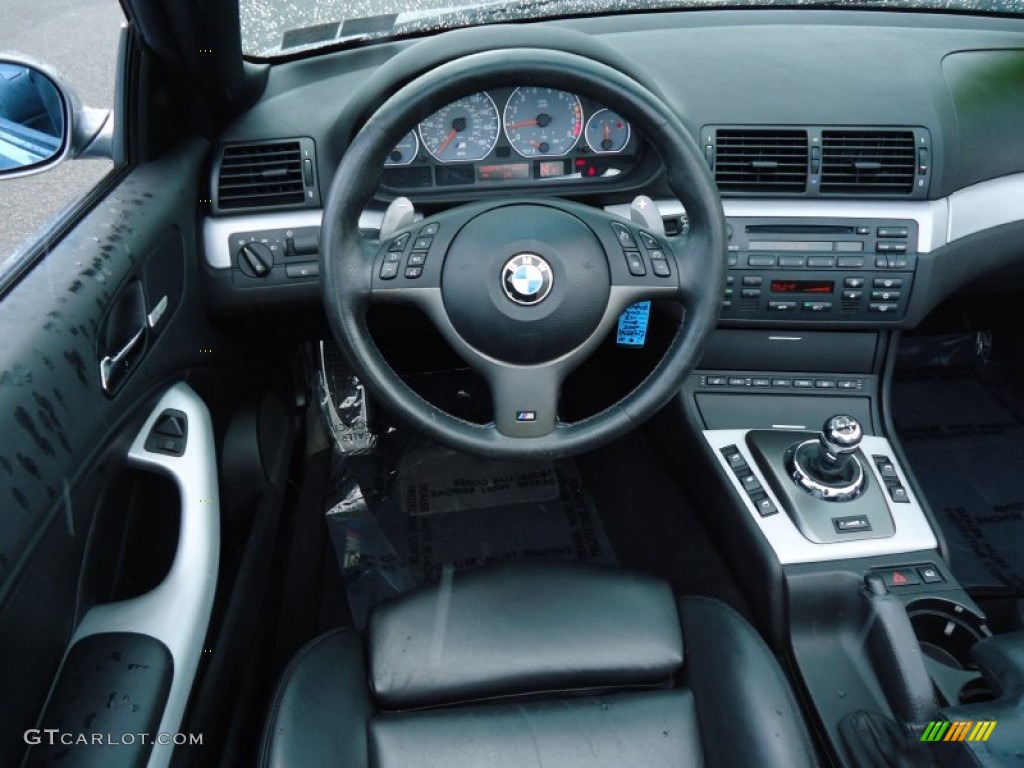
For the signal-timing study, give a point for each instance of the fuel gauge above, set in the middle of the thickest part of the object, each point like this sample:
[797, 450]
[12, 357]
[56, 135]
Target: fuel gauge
[607, 132]
[405, 151]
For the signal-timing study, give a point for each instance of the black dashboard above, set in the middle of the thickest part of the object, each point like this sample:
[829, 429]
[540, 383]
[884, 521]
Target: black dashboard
[854, 121]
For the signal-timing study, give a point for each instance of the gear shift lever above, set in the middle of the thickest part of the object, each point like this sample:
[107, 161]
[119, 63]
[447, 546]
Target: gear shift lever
[827, 468]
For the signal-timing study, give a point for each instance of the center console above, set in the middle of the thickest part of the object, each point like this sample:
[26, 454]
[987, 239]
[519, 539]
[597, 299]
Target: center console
[831, 534]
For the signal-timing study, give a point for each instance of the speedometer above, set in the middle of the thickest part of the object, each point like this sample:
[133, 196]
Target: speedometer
[543, 122]
[465, 130]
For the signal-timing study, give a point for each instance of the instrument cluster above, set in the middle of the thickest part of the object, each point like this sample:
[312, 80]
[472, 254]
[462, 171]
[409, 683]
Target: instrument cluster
[513, 135]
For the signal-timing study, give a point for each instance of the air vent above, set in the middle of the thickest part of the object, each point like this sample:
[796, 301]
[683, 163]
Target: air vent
[275, 174]
[760, 160]
[868, 162]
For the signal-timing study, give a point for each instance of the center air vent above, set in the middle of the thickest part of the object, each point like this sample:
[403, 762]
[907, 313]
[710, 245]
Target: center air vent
[273, 174]
[868, 162]
[760, 160]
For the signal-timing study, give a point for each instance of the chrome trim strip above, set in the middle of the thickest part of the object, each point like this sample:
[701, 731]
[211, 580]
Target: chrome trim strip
[913, 532]
[177, 611]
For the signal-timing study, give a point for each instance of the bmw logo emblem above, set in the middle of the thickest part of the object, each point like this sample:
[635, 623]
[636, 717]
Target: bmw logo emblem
[526, 279]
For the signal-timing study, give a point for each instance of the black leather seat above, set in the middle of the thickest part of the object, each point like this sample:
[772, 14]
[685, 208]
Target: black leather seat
[552, 665]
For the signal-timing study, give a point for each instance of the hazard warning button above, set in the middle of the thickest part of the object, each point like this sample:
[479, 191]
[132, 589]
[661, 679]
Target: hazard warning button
[901, 577]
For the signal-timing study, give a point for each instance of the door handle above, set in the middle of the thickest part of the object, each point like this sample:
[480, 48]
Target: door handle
[114, 367]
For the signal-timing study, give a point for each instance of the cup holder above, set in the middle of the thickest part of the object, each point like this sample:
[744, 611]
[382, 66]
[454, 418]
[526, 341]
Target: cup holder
[947, 631]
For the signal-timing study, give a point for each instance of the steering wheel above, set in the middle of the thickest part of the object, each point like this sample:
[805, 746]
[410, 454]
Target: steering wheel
[523, 289]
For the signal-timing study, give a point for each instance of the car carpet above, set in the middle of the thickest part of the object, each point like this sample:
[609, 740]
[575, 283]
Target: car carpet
[962, 428]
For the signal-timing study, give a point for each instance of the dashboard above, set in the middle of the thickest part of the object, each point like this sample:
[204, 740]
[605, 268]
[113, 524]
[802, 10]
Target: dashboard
[527, 135]
[863, 177]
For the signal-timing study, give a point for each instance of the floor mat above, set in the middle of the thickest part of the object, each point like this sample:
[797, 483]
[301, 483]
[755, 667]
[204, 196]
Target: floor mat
[394, 529]
[963, 432]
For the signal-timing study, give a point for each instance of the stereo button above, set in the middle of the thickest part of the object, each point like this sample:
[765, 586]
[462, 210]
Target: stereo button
[854, 282]
[791, 261]
[782, 306]
[752, 281]
[761, 261]
[821, 261]
[885, 295]
[850, 262]
[817, 306]
[887, 282]
[881, 307]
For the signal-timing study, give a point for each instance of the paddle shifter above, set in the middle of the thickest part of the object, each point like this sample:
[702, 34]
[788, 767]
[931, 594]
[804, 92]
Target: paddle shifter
[827, 467]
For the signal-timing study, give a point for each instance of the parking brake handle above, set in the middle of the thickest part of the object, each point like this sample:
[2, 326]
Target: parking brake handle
[896, 654]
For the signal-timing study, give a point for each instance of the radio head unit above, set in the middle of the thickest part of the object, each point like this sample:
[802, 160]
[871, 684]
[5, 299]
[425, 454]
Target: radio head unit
[836, 270]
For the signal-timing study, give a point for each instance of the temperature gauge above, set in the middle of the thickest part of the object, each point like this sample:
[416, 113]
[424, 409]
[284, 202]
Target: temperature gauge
[607, 132]
[404, 151]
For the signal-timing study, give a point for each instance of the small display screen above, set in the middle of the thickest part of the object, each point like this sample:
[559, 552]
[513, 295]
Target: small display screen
[802, 286]
[549, 169]
[503, 172]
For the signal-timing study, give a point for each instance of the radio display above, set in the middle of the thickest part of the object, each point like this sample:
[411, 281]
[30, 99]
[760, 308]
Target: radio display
[802, 286]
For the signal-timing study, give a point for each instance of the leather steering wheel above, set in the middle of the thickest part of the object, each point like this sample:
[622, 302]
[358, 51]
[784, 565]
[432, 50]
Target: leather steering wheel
[523, 289]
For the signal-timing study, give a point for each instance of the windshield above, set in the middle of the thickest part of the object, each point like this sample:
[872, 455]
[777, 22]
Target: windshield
[283, 27]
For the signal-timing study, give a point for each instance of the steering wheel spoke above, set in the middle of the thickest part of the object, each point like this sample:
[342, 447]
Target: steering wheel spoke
[525, 398]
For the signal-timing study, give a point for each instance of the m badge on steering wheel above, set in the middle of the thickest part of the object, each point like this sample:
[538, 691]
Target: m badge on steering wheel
[526, 279]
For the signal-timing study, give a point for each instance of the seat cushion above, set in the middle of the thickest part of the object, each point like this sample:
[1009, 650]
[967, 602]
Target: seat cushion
[730, 706]
[653, 729]
[523, 629]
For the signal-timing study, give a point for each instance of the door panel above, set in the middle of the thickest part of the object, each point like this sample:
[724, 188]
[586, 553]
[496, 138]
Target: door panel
[64, 440]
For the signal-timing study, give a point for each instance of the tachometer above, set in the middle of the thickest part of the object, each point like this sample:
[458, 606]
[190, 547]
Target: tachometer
[607, 132]
[465, 130]
[404, 151]
[543, 122]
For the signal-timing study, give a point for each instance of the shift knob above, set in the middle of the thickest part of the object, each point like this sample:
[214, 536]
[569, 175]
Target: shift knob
[839, 436]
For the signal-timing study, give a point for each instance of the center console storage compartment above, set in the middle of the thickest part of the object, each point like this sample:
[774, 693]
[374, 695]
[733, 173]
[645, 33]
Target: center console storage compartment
[822, 351]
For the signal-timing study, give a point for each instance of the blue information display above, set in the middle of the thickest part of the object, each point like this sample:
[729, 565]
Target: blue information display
[633, 325]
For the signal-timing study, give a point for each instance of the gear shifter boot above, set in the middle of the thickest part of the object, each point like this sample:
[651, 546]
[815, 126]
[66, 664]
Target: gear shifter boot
[828, 468]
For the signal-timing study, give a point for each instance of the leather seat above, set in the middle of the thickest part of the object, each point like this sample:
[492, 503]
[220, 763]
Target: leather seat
[554, 665]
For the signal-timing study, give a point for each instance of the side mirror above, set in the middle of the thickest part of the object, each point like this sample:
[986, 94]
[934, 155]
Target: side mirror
[42, 121]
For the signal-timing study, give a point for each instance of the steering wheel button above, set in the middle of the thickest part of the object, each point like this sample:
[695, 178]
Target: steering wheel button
[648, 240]
[430, 230]
[392, 256]
[660, 268]
[624, 235]
[635, 263]
[398, 244]
[422, 243]
[656, 255]
[413, 272]
[417, 259]
[388, 270]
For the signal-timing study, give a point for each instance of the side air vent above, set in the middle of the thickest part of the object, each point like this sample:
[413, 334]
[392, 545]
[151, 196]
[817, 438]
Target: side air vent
[272, 174]
[868, 162]
[760, 160]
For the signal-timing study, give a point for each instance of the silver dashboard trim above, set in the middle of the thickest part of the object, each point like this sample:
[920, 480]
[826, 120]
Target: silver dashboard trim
[986, 205]
[931, 216]
[217, 229]
[176, 611]
[966, 212]
[913, 532]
